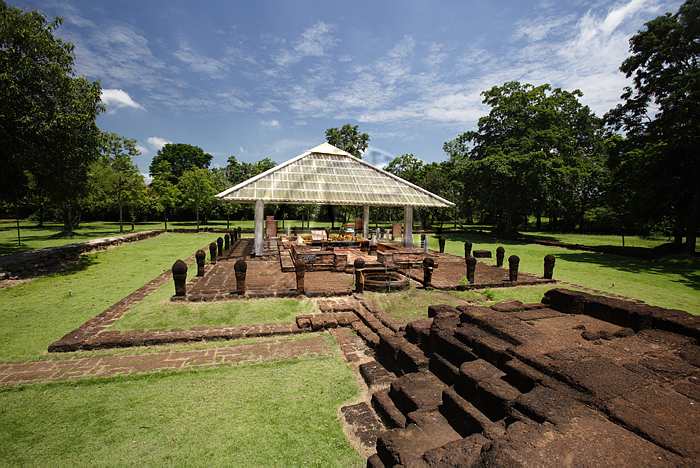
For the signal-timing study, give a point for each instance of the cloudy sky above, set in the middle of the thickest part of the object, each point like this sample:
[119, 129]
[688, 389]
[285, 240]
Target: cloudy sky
[266, 78]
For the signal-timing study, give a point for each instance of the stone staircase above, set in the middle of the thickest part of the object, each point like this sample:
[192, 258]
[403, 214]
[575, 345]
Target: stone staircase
[497, 387]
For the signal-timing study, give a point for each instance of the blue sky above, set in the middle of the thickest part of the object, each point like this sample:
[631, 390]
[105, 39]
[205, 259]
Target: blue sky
[265, 78]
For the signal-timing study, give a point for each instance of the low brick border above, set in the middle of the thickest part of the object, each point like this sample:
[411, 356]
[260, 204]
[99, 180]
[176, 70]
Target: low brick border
[18, 373]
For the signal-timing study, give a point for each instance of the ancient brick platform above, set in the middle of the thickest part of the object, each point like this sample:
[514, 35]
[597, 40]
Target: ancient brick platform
[580, 380]
[452, 270]
[265, 278]
[105, 366]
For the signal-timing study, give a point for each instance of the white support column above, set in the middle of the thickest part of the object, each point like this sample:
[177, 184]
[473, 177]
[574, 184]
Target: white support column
[408, 226]
[259, 227]
[365, 222]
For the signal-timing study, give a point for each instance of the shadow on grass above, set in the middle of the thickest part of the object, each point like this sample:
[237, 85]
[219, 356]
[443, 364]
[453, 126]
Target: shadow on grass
[687, 268]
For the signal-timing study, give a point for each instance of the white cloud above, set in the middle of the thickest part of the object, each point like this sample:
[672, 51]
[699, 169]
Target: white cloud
[315, 41]
[270, 123]
[119, 98]
[157, 142]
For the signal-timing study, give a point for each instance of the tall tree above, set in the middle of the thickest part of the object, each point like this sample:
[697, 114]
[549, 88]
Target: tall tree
[121, 180]
[174, 159]
[47, 116]
[165, 195]
[538, 149]
[348, 138]
[661, 116]
[197, 190]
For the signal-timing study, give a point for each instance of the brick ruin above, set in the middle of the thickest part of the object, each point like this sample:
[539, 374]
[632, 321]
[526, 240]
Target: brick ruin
[576, 380]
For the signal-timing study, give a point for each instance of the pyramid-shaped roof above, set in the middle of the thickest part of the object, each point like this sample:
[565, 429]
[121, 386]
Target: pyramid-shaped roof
[327, 175]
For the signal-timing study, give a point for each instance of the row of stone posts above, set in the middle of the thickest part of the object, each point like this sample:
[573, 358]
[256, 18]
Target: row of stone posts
[216, 250]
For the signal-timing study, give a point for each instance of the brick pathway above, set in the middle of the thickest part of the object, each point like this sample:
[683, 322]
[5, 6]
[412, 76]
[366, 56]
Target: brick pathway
[71, 369]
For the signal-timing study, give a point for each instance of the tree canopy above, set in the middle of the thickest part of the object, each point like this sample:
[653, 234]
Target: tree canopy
[538, 149]
[173, 159]
[660, 115]
[348, 138]
[47, 115]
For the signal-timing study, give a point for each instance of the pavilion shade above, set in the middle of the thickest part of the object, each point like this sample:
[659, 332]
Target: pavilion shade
[333, 179]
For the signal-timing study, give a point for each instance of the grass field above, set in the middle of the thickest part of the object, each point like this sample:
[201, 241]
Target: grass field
[594, 240]
[272, 414]
[36, 313]
[672, 282]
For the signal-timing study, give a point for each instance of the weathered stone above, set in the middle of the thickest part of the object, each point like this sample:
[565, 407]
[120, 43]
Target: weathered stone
[428, 265]
[240, 269]
[471, 269]
[500, 255]
[482, 254]
[227, 241]
[549, 261]
[179, 271]
[219, 246]
[299, 272]
[201, 259]
[513, 265]
[212, 252]
[467, 249]
[441, 243]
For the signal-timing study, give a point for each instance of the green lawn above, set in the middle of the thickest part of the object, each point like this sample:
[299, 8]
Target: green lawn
[157, 312]
[672, 282]
[413, 303]
[280, 413]
[594, 240]
[36, 313]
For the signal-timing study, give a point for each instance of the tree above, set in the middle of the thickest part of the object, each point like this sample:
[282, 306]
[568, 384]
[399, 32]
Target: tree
[661, 117]
[348, 138]
[179, 158]
[197, 190]
[118, 174]
[408, 167]
[48, 116]
[165, 195]
[538, 149]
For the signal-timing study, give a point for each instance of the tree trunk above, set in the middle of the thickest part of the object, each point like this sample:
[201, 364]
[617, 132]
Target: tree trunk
[68, 218]
[692, 225]
[166, 221]
[41, 213]
[196, 215]
[538, 220]
[19, 237]
[121, 217]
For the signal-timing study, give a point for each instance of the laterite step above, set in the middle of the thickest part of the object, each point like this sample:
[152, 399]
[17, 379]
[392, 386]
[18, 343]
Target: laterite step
[375, 375]
[406, 446]
[386, 409]
[465, 418]
[483, 344]
[482, 384]
[417, 391]
[443, 369]
[449, 347]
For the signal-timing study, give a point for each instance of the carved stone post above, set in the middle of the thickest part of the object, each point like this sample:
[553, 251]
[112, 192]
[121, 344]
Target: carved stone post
[428, 265]
[212, 252]
[549, 266]
[513, 264]
[500, 255]
[201, 258]
[239, 233]
[359, 277]
[227, 242]
[467, 249]
[179, 271]
[219, 247]
[471, 269]
[300, 271]
[240, 268]
[424, 242]
[441, 243]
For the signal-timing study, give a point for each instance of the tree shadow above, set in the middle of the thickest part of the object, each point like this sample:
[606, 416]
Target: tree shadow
[687, 268]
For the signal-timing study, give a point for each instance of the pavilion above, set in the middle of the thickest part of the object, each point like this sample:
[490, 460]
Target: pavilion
[326, 175]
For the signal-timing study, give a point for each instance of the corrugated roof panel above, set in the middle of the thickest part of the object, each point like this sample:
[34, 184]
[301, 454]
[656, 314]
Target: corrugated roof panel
[328, 175]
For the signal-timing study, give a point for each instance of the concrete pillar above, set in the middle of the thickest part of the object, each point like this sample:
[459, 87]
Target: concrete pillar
[408, 226]
[259, 212]
[365, 222]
